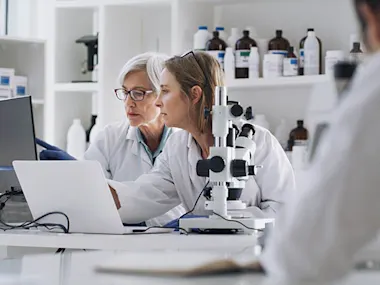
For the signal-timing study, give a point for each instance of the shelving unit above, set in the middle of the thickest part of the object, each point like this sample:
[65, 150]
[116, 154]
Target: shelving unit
[76, 87]
[129, 27]
[297, 81]
[27, 56]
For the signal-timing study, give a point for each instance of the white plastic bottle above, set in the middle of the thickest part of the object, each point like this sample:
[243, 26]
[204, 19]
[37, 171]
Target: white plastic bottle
[94, 131]
[282, 133]
[76, 139]
[311, 50]
[254, 63]
[200, 38]
[233, 38]
[229, 65]
[222, 34]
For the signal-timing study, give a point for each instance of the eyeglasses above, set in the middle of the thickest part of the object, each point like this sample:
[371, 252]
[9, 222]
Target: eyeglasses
[136, 95]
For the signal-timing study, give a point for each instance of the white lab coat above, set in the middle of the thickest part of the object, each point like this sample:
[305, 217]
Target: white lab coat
[123, 158]
[338, 211]
[174, 180]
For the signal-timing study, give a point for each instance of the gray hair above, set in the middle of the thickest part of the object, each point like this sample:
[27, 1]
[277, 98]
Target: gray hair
[150, 62]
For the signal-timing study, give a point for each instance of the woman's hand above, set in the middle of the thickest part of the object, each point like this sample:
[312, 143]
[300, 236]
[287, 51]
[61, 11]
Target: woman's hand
[115, 198]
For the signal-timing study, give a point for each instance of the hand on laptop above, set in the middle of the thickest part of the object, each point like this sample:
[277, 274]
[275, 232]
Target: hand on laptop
[52, 152]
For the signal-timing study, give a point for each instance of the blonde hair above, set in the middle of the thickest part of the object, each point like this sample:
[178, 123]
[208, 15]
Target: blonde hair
[151, 62]
[198, 69]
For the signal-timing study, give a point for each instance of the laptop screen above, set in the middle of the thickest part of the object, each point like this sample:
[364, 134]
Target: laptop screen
[17, 136]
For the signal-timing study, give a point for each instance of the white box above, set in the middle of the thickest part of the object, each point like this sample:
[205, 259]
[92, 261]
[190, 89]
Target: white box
[5, 93]
[6, 78]
[20, 85]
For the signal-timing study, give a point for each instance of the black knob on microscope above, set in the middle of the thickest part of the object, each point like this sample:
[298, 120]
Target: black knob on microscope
[239, 168]
[217, 164]
[237, 110]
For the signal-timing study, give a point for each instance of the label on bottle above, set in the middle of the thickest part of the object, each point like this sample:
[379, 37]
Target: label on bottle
[242, 58]
[218, 55]
[311, 62]
[290, 67]
[302, 58]
[282, 52]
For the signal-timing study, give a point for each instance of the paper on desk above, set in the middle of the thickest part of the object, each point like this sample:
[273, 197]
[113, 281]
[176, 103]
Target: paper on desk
[177, 263]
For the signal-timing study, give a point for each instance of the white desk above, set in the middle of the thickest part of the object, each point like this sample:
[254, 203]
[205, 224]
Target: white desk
[134, 242]
[75, 268]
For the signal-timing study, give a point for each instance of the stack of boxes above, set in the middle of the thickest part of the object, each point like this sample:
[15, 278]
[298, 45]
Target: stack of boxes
[12, 85]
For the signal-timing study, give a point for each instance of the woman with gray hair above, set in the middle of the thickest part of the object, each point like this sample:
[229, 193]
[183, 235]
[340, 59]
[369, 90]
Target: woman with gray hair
[129, 148]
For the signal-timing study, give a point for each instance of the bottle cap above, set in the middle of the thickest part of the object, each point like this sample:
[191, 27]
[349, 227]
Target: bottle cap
[278, 33]
[357, 45]
[300, 122]
[219, 28]
[246, 33]
[215, 34]
[310, 30]
[202, 28]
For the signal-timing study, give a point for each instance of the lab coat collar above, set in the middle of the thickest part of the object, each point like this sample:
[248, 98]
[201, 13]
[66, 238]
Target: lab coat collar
[136, 148]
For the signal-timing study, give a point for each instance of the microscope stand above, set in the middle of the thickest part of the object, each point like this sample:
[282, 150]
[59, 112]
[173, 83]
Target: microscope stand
[247, 226]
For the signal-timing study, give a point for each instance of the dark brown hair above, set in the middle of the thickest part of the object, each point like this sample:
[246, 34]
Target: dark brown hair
[198, 69]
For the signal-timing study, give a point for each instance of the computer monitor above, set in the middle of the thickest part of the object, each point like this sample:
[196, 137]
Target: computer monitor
[17, 134]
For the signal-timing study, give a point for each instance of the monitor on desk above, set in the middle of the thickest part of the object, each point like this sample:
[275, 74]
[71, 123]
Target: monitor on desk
[17, 138]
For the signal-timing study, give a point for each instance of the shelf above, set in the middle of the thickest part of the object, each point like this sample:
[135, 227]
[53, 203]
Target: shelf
[297, 81]
[38, 101]
[76, 87]
[97, 3]
[10, 39]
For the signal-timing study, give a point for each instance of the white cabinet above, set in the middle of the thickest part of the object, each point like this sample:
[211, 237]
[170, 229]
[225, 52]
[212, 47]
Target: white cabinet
[129, 27]
[27, 57]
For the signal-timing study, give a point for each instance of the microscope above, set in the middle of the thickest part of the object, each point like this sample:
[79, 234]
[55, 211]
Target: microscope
[228, 167]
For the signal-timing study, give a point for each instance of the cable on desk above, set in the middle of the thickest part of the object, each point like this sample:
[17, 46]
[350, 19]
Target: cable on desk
[189, 212]
[238, 222]
[35, 223]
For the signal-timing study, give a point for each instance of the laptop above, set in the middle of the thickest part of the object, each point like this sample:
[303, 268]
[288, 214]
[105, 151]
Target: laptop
[76, 188]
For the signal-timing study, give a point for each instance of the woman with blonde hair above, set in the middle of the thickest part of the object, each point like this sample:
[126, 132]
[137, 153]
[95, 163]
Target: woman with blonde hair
[187, 88]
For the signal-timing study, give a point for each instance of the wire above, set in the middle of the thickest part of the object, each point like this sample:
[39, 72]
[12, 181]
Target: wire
[238, 222]
[35, 224]
[189, 212]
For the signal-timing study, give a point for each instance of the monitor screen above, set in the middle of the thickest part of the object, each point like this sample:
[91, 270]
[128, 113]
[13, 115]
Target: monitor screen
[17, 136]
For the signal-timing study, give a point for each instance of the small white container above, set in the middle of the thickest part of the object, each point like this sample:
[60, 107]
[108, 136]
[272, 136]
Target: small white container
[200, 38]
[332, 58]
[5, 93]
[229, 65]
[20, 85]
[311, 50]
[6, 78]
[273, 65]
[94, 131]
[299, 155]
[76, 139]
[254, 63]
